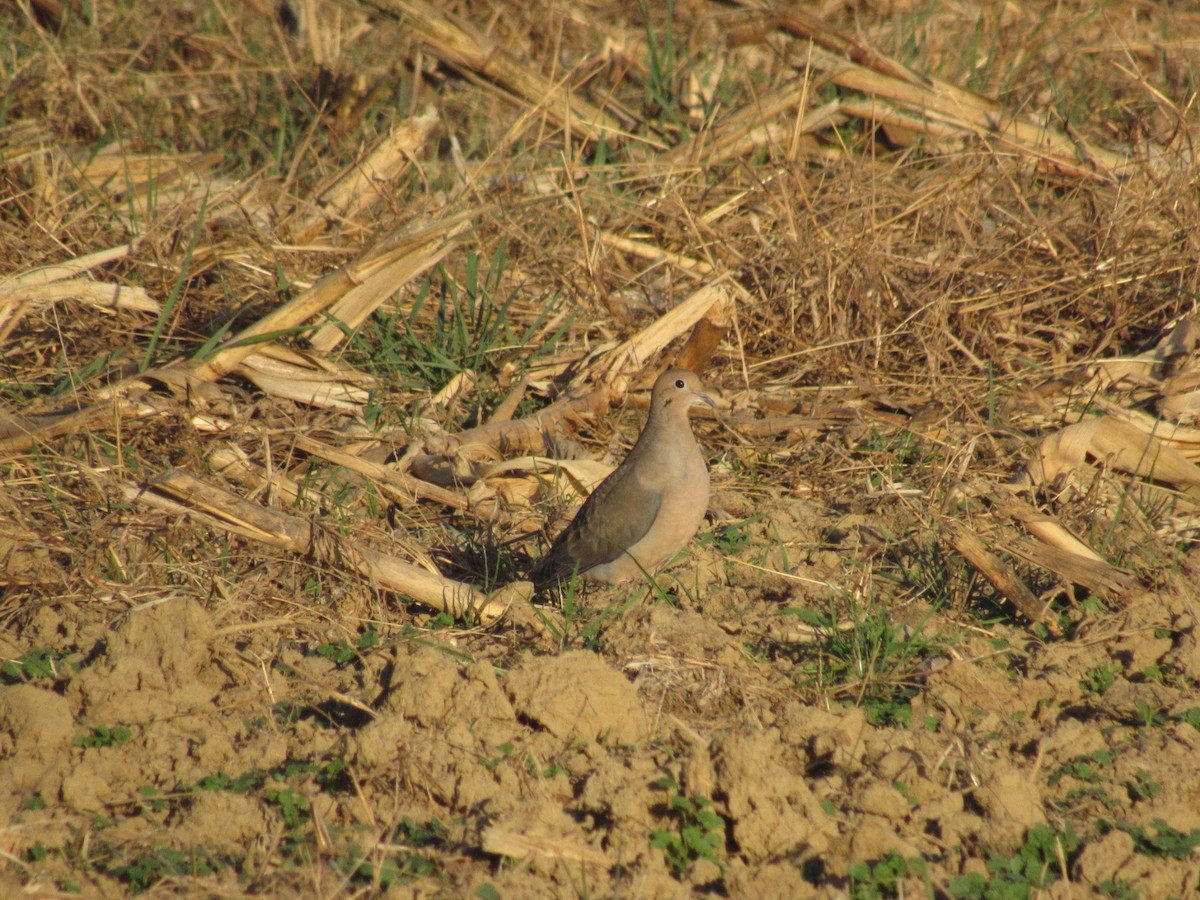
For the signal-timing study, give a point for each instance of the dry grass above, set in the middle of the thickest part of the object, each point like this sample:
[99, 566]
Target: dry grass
[278, 293]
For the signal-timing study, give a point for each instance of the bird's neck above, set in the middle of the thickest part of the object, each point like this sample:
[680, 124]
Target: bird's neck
[666, 420]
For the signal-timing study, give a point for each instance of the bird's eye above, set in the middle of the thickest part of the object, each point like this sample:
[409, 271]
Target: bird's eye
[679, 383]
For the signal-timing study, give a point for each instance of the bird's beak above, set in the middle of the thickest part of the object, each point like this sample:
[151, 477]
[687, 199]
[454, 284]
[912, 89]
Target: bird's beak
[704, 398]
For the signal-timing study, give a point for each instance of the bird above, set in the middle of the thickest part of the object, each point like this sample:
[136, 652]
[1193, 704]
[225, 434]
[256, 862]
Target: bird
[649, 507]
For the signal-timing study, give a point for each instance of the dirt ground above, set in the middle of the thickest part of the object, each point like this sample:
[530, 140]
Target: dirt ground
[424, 763]
[940, 633]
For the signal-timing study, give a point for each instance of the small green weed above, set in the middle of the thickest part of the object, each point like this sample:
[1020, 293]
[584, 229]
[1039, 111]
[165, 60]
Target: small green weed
[339, 651]
[387, 871]
[145, 871]
[1036, 865]
[68, 381]
[342, 651]
[1164, 841]
[290, 806]
[431, 833]
[888, 712]
[1149, 717]
[1190, 716]
[1084, 767]
[103, 736]
[468, 329]
[333, 777]
[286, 712]
[1117, 889]
[150, 799]
[896, 456]
[504, 752]
[441, 621]
[872, 662]
[242, 784]
[932, 575]
[1143, 786]
[31, 666]
[326, 773]
[397, 868]
[160, 331]
[1099, 679]
[580, 626]
[1082, 796]
[729, 539]
[698, 833]
[662, 69]
[886, 877]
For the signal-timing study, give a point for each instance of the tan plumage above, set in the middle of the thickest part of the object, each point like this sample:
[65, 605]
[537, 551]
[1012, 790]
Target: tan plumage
[650, 506]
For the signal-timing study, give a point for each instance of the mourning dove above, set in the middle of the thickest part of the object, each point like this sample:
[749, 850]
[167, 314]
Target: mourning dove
[650, 506]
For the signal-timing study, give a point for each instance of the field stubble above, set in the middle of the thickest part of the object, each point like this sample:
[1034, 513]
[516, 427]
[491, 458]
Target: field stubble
[297, 303]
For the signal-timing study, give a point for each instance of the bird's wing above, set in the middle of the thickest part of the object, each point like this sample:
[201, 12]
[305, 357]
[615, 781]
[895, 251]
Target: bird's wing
[615, 517]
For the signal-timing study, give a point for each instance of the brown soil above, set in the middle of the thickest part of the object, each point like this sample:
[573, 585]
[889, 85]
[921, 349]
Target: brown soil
[558, 759]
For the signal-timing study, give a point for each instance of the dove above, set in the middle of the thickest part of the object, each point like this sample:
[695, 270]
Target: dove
[649, 507]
